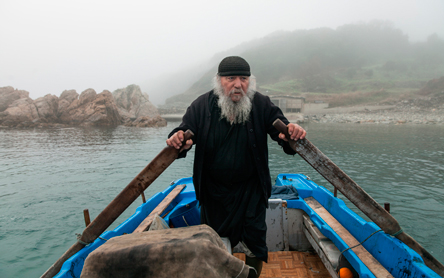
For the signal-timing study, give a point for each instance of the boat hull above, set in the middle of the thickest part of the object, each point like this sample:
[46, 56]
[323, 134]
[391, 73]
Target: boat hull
[292, 225]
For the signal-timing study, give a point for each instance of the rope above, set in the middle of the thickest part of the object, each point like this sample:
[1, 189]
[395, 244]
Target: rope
[84, 243]
[243, 266]
[398, 232]
[184, 220]
[79, 241]
[340, 255]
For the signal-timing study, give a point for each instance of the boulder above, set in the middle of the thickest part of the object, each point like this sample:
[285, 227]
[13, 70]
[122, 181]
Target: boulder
[90, 109]
[20, 111]
[87, 96]
[148, 122]
[65, 100]
[102, 111]
[47, 108]
[133, 104]
[8, 95]
[74, 113]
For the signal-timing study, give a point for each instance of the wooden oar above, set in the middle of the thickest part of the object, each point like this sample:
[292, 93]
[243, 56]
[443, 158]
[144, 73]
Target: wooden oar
[321, 163]
[146, 223]
[131, 192]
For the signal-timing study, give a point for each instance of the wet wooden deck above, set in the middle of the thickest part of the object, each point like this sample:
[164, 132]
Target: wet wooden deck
[283, 264]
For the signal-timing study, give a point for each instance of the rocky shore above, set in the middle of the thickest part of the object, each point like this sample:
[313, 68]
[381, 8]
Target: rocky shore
[426, 107]
[389, 116]
[413, 111]
[127, 106]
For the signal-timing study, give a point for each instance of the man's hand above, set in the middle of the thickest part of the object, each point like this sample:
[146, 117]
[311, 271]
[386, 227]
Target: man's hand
[296, 132]
[176, 141]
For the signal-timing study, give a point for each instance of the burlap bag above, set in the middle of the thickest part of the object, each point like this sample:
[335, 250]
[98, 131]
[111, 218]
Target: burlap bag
[195, 251]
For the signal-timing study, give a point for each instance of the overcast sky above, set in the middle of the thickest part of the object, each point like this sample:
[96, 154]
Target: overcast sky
[48, 46]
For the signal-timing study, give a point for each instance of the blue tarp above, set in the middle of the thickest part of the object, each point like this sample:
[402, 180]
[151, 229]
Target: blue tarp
[284, 192]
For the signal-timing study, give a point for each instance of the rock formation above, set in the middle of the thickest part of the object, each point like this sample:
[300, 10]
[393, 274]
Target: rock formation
[65, 100]
[71, 109]
[16, 107]
[133, 104]
[47, 108]
[136, 109]
[90, 109]
[147, 122]
[8, 95]
[20, 111]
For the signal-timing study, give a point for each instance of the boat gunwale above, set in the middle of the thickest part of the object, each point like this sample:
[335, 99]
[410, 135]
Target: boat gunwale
[355, 224]
[306, 188]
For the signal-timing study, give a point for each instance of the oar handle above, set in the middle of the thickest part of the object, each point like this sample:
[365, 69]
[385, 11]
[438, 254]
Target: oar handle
[188, 135]
[282, 128]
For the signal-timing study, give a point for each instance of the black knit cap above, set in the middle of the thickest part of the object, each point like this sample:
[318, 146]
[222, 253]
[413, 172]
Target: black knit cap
[234, 66]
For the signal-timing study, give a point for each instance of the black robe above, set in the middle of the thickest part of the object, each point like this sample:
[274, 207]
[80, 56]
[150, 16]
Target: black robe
[234, 206]
[198, 119]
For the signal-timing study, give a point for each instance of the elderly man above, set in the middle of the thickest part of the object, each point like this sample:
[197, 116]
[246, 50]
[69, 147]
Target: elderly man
[231, 175]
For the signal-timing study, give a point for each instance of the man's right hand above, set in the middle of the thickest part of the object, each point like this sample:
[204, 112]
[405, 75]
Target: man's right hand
[176, 141]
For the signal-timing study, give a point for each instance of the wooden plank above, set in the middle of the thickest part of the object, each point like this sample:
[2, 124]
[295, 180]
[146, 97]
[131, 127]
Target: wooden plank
[328, 265]
[373, 265]
[146, 223]
[291, 264]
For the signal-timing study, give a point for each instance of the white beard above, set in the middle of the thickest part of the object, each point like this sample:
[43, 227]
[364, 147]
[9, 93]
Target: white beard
[235, 112]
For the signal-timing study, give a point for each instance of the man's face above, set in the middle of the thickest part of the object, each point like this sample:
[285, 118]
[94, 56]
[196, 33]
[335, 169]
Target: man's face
[235, 86]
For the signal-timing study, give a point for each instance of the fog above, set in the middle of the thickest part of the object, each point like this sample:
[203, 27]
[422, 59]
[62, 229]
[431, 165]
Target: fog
[47, 47]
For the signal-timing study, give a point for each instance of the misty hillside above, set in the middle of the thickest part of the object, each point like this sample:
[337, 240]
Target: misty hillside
[374, 60]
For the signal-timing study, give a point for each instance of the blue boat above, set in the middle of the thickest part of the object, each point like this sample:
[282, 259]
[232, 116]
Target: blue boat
[316, 221]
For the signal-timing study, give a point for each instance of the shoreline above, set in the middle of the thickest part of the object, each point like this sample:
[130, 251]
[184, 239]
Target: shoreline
[363, 114]
[388, 114]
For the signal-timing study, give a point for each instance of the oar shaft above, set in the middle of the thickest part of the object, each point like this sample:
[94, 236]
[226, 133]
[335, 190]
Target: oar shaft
[131, 192]
[429, 260]
[340, 180]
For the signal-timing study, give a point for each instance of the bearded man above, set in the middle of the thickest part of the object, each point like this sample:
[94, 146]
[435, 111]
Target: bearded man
[231, 175]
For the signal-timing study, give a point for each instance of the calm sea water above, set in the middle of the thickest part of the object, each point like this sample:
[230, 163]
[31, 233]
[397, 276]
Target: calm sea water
[48, 176]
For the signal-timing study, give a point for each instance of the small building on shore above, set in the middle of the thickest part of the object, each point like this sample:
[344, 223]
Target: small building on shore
[289, 104]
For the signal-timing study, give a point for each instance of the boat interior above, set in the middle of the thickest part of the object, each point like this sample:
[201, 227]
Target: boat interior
[314, 235]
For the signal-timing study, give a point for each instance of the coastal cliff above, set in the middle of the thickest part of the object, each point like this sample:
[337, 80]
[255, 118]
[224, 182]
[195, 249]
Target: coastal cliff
[128, 106]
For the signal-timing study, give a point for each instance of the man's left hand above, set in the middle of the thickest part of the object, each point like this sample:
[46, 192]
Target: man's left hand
[296, 132]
